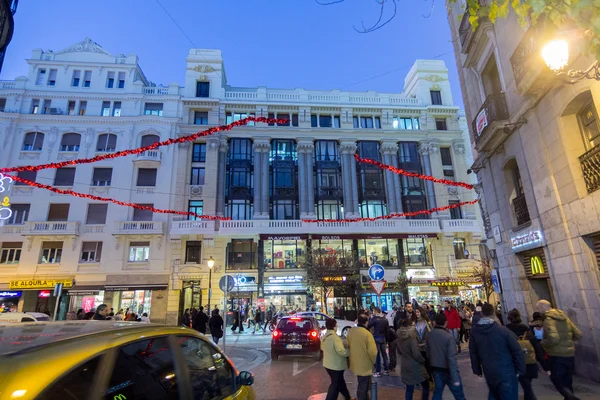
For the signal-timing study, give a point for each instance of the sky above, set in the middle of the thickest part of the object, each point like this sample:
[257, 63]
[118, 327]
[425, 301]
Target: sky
[273, 43]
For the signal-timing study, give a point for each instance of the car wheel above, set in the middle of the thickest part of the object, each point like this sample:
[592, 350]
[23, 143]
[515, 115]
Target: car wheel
[345, 332]
[274, 356]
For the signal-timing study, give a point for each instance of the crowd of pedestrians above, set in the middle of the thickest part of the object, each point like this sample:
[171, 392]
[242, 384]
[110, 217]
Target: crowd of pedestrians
[428, 340]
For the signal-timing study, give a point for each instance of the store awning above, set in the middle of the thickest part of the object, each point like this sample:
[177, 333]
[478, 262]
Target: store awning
[283, 237]
[85, 290]
[377, 236]
[126, 288]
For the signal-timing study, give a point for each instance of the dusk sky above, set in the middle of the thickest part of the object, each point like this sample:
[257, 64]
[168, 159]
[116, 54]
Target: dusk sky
[273, 43]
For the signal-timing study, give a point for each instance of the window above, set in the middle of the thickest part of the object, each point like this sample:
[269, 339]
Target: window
[143, 215]
[71, 107]
[202, 89]
[105, 109]
[328, 178]
[377, 251]
[35, 106]
[406, 123]
[284, 209]
[416, 252]
[153, 109]
[372, 209]
[194, 206]
[200, 118]
[11, 252]
[76, 78]
[436, 97]
[197, 177]
[455, 213]
[326, 150]
[41, 76]
[82, 107]
[76, 384]
[107, 142]
[211, 374]
[70, 142]
[87, 78]
[460, 249]
[366, 122]
[193, 250]
[146, 177]
[33, 141]
[283, 150]
[240, 149]
[110, 80]
[293, 120]
[96, 214]
[590, 126]
[148, 140]
[139, 251]
[229, 118]
[64, 177]
[102, 177]
[377, 122]
[20, 213]
[58, 212]
[28, 175]
[144, 370]
[239, 209]
[121, 82]
[91, 252]
[116, 109]
[369, 150]
[2, 104]
[446, 156]
[329, 209]
[241, 254]
[199, 152]
[48, 107]
[440, 124]
[52, 78]
[51, 252]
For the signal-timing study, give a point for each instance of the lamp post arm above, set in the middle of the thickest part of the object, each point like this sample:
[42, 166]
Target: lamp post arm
[575, 75]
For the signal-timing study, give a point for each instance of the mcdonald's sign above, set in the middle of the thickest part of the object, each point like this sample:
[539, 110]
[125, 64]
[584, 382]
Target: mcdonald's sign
[119, 397]
[537, 265]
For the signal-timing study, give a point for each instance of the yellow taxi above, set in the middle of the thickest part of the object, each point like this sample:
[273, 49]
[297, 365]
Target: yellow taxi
[81, 360]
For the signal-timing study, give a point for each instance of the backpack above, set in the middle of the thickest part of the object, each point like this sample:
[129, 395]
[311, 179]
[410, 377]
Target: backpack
[527, 349]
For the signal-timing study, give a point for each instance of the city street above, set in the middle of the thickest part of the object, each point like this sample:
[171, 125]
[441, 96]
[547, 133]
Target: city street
[301, 378]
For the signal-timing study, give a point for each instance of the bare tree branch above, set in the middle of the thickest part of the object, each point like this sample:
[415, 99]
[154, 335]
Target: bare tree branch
[379, 24]
[431, 10]
[329, 2]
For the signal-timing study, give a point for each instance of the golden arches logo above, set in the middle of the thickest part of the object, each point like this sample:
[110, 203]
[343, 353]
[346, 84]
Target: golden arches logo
[120, 397]
[537, 266]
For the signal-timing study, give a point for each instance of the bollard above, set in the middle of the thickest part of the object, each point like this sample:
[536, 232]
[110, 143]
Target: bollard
[373, 390]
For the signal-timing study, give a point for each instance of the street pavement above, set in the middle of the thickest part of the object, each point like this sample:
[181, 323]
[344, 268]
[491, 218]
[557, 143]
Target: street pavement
[301, 378]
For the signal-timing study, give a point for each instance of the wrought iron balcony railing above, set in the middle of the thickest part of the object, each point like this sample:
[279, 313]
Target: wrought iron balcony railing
[494, 109]
[590, 166]
[521, 210]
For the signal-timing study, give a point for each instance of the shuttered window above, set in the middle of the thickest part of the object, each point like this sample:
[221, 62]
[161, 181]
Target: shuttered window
[143, 215]
[64, 177]
[534, 263]
[96, 214]
[146, 177]
[58, 212]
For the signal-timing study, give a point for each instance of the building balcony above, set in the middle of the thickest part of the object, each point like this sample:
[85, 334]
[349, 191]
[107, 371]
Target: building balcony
[590, 166]
[452, 226]
[150, 158]
[198, 227]
[491, 117]
[46, 228]
[139, 228]
[521, 210]
[12, 229]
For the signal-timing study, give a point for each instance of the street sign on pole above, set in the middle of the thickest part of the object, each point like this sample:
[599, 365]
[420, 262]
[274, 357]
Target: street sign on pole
[57, 292]
[376, 272]
[227, 283]
[224, 315]
[378, 286]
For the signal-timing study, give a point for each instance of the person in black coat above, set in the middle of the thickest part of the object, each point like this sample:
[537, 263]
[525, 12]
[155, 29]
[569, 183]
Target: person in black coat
[517, 326]
[200, 321]
[216, 326]
[496, 353]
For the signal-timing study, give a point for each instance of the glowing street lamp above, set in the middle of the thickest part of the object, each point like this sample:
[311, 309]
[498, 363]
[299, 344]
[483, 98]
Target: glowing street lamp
[210, 263]
[556, 56]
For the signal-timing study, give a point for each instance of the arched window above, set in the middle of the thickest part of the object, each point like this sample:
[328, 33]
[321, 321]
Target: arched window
[70, 142]
[33, 141]
[516, 194]
[147, 140]
[107, 143]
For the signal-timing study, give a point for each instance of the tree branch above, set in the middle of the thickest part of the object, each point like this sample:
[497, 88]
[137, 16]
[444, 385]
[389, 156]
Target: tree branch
[379, 24]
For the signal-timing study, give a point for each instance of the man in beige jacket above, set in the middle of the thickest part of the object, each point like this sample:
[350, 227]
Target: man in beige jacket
[363, 353]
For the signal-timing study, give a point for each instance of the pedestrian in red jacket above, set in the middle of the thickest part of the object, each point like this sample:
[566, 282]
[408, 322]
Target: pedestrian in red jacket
[453, 318]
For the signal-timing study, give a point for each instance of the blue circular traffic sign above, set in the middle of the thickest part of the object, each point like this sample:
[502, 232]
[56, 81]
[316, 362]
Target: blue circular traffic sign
[376, 272]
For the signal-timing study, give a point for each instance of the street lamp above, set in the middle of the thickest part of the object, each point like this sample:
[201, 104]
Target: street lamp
[556, 56]
[210, 263]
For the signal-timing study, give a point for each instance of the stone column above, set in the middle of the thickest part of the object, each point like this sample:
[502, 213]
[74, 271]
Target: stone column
[265, 180]
[310, 180]
[354, 176]
[425, 151]
[388, 151]
[302, 187]
[441, 191]
[397, 182]
[460, 175]
[223, 148]
[256, 148]
[347, 150]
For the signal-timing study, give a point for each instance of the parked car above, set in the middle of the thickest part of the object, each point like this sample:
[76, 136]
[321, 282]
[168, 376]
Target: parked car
[115, 360]
[298, 334]
[343, 326]
[14, 317]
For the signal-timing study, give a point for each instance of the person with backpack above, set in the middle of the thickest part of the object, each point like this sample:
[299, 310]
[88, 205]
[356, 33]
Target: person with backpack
[496, 353]
[380, 328]
[532, 349]
[335, 361]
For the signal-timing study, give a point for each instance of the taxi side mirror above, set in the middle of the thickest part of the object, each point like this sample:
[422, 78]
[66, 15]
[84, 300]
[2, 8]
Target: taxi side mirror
[246, 378]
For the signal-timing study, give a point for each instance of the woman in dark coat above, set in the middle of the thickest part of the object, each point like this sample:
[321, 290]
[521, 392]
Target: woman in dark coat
[216, 326]
[517, 326]
[412, 363]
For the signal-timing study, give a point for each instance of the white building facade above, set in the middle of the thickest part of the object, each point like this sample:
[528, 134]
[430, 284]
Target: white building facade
[266, 178]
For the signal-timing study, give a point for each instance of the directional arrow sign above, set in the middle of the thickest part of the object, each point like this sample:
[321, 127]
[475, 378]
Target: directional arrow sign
[378, 286]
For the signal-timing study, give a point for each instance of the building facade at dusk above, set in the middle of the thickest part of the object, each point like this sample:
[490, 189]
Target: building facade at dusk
[266, 178]
[536, 146]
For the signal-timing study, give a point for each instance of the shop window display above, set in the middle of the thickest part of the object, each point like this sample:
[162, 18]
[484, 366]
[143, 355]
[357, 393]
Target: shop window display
[87, 302]
[284, 254]
[378, 251]
[416, 252]
[137, 301]
[334, 247]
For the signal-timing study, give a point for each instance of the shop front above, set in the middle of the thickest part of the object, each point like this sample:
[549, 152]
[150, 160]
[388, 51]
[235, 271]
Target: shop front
[286, 291]
[529, 249]
[37, 295]
[284, 251]
[147, 295]
[9, 300]
[86, 298]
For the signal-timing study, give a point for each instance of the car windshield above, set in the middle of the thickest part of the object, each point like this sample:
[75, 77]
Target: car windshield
[295, 325]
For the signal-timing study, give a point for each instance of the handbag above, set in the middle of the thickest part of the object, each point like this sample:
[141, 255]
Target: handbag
[527, 349]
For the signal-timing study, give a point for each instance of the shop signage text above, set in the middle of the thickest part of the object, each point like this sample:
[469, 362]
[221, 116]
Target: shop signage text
[44, 294]
[244, 280]
[481, 121]
[10, 294]
[285, 279]
[386, 236]
[531, 239]
[447, 283]
[283, 237]
[334, 279]
[420, 273]
[40, 283]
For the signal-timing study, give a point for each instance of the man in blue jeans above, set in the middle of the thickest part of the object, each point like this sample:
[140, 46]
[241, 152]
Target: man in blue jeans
[440, 347]
[380, 326]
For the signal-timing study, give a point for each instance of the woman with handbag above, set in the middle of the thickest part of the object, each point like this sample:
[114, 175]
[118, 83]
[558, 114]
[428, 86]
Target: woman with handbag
[216, 326]
[335, 361]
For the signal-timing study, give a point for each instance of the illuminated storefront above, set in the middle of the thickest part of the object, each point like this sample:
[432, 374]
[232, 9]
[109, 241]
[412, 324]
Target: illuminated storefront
[284, 251]
[287, 291]
[37, 295]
